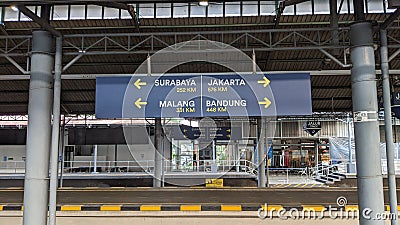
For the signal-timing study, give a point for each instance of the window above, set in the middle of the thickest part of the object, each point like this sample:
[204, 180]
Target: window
[215, 9]
[146, 10]
[94, 12]
[163, 10]
[60, 12]
[181, 10]
[77, 12]
[111, 13]
[197, 11]
[250, 8]
[232, 9]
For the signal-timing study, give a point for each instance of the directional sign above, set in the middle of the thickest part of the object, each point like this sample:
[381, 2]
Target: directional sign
[312, 127]
[185, 132]
[396, 104]
[203, 96]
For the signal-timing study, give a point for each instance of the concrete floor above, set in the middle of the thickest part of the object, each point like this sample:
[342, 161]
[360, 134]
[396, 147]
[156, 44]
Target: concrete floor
[255, 196]
[175, 218]
[180, 221]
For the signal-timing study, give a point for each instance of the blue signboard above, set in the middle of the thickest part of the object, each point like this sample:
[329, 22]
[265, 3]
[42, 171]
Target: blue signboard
[203, 96]
[184, 132]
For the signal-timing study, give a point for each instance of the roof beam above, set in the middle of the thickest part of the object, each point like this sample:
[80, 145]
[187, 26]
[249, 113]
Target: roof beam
[42, 22]
[390, 19]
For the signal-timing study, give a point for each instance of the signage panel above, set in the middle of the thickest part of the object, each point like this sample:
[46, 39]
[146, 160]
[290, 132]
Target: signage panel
[203, 96]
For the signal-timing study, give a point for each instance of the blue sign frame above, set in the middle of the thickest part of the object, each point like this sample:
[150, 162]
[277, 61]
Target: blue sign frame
[209, 95]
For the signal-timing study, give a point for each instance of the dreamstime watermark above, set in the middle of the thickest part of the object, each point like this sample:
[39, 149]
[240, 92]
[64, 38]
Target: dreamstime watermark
[340, 211]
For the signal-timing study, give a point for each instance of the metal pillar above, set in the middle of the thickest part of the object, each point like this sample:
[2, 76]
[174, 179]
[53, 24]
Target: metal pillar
[197, 152]
[334, 24]
[157, 153]
[39, 129]
[266, 159]
[316, 146]
[95, 159]
[351, 167]
[237, 155]
[115, 156]
[260, 153]
[55, 135]
[366, 127]
[214, 152]
[388, 128]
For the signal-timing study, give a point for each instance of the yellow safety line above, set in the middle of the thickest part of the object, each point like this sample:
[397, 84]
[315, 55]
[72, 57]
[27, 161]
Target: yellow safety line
[190, 208]
[231, 208]
[316, 208]
[71, 208]
[150, 208]
[388, 207]
[110, 208]
[351, 207]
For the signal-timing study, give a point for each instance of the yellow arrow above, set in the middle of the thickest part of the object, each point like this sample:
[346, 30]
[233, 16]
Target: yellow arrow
[229, 130]
[228, 136]
[184, 130]
[266, 102]
[139, 103]
[138, 83]
[265, 81]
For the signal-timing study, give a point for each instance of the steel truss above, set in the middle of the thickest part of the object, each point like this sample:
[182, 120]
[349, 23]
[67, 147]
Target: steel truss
[79, 45]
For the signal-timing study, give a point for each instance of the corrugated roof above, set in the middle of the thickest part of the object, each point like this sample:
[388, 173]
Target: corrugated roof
[329, 93]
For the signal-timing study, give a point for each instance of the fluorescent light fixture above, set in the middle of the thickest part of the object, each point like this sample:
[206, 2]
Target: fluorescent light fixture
[203, 2]
[14, 8]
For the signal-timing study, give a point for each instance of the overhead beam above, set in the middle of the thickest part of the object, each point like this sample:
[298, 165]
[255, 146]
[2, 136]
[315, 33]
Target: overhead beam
[390, 19]
[335, 59]
[42, 22]
[12, 61]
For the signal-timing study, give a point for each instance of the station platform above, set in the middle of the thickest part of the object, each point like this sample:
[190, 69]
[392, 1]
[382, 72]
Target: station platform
[231, 179]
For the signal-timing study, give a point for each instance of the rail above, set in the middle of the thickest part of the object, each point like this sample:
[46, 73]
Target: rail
[205, 166]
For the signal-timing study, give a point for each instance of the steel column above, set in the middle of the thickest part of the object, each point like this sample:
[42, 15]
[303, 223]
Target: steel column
[237, 155]
[55, 135]
[351, 167]
[366, 127]
[157, 153]
[388, 128]
[95, 159]
[334, 24]
[39, 129]
[260, 153]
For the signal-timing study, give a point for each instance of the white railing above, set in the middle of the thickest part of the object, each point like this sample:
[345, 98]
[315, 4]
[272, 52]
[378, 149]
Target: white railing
[206, 166]
[244, 166]
[14, 167]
